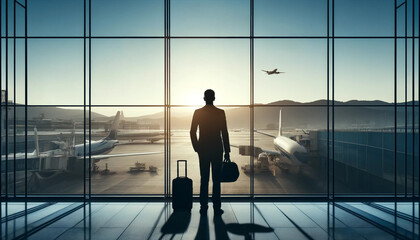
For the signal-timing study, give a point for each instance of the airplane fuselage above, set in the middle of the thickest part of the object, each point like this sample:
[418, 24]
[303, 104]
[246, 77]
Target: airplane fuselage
[290, 149]
[102, 146]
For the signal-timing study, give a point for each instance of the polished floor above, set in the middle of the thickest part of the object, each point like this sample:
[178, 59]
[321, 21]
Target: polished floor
[241, 220]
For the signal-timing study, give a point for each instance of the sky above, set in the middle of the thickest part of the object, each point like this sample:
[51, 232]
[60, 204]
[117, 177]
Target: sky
[131, 71]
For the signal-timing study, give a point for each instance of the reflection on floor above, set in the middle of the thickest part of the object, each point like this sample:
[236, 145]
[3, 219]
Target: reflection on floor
[241, 220]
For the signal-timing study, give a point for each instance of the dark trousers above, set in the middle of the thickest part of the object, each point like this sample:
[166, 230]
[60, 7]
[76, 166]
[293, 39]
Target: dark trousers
[215, 159]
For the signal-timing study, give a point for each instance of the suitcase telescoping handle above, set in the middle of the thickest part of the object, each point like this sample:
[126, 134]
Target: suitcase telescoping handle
[177, 167]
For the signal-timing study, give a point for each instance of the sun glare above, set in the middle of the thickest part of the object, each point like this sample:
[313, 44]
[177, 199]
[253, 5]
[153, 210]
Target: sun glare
[195, 99]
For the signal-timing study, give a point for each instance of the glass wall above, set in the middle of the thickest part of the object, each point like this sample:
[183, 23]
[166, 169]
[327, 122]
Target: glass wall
[321, 96]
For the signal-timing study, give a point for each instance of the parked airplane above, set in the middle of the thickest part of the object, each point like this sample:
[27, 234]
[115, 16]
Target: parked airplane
[295, 153]
[97, 149]
[272, 71]
[131, 135]
[21, 156]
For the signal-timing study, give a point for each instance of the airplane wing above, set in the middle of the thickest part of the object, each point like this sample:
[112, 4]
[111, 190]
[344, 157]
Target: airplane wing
[245, 150]
[303, 130]
[100, 157]
[275, 70]
[266, 134]
[270, 152]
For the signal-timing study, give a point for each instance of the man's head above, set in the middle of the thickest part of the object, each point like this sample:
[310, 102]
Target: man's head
[209, 96]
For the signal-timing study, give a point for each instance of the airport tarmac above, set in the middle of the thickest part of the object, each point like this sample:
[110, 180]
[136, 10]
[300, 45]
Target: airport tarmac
[121, 181]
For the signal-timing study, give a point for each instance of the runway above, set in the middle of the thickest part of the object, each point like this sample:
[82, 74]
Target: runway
[121, 181]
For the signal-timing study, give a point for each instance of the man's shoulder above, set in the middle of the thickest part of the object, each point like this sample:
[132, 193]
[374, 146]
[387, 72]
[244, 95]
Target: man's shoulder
[199, 109]
[209, 108]
[221, 111]
[217, 109]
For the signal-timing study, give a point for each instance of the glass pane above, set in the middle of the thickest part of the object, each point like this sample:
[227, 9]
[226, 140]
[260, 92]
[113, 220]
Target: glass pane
[181, 148]
[364, 70]
[8, 149]
[303, 67]
[401, 18]
[127, 71]
[210, 18]
[3, 65]
[127, 18]
[405, 71]
[135, 163]
[55, 71]
[405, 146]
[291, 18]
[364, 150]
[16, 143]
[3, 146]
[9, 16]
[221, 65]
[53, 134]
[20, 71]
[55, 18]
[364, 17]
[416, 143]
[3, 18]
[8, 82]
[290, 150]
[20, 21]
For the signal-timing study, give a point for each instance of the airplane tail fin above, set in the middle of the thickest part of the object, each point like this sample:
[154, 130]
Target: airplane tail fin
[73, 132]
[36, 142]
[280, 129]
[73, 144]
[114, 128]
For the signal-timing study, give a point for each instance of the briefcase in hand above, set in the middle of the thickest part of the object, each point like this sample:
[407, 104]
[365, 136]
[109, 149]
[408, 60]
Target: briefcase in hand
[230, 171]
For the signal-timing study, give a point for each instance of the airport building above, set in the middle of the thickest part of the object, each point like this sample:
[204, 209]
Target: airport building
[321, 100]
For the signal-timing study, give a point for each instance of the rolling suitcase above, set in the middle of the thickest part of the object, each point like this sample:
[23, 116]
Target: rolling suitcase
[182, 190]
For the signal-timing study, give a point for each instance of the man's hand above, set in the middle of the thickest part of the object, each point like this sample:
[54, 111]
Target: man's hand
[227, 157]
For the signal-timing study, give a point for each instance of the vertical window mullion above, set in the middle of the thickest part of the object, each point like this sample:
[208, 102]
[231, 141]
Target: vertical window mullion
[84, 101]
[333, 107]
[90, 100]
[252, 109]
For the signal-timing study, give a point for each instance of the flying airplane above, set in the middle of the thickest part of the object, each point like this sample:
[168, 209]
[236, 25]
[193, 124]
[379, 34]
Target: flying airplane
[295, 153]
[272, 72]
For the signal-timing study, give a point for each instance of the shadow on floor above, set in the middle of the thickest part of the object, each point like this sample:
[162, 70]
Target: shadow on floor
[203, 229]
[177, 223]
[247, 229]
[221, 229]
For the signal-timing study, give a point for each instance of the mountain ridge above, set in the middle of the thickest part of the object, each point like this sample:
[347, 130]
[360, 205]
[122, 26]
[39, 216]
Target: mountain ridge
[308, 115]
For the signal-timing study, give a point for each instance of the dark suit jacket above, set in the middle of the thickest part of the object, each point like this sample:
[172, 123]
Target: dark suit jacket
[212, 124]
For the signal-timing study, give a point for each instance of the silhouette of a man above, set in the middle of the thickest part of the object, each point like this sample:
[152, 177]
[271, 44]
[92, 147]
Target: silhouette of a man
[213, 140]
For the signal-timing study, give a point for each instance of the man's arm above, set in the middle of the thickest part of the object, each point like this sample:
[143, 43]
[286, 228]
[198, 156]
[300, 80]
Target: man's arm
[225, 136]
[193, 131]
